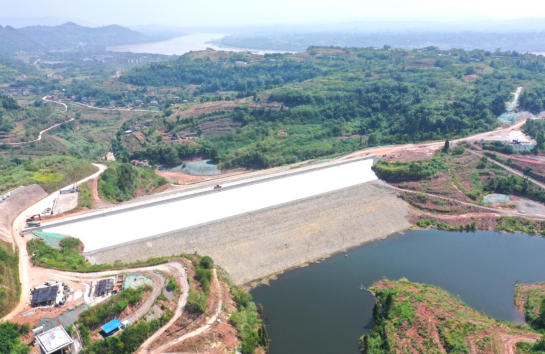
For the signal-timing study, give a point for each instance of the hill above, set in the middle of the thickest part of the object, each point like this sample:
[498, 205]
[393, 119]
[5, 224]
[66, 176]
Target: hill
[326, 101]
[68, 35]
[410, 317]
[468, 40]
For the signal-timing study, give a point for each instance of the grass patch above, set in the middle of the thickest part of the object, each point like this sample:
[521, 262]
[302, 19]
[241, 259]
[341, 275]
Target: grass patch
[10, 288]
[85, 197]
[122, 181]
[51, 172]
[69, 257]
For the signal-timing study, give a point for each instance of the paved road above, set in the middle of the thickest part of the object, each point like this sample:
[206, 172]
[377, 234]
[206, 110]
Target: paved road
[149, 204]
[24, 259]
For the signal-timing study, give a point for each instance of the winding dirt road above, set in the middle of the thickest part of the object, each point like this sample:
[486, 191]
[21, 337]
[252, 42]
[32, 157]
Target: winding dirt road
[45, 130]
[209, 323]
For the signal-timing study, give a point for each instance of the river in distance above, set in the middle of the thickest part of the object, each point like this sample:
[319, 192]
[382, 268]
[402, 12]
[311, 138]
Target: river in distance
[182, 45]
[320, 309]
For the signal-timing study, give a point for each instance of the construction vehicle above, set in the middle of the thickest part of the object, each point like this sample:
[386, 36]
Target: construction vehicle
[33, 223]
[33, 217]
[217, 186]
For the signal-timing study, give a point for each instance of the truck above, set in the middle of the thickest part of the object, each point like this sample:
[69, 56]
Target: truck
[124, 324]
[217, 186]
[33, 223]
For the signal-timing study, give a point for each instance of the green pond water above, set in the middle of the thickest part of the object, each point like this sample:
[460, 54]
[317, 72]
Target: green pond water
[321, 308]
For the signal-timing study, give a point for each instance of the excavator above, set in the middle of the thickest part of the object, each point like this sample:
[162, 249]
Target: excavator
[34, 217]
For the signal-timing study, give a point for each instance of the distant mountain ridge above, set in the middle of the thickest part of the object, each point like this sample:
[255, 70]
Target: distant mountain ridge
[66, 36]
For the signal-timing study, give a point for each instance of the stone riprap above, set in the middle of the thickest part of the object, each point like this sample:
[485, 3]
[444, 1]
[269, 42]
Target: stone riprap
[257, 244]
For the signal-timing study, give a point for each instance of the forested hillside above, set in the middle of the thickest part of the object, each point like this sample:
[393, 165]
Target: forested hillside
[335, 100]
[68, 35]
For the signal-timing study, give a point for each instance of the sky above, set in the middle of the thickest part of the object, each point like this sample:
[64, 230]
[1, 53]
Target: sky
[191, 13]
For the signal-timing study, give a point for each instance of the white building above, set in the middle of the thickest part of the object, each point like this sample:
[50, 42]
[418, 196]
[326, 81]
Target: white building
[56, 340]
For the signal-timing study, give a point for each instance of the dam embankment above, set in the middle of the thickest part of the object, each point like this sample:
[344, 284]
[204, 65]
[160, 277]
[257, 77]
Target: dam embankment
[257, 244]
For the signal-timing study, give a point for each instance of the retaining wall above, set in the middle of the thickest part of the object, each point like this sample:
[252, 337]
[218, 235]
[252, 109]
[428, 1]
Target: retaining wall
[257, 244]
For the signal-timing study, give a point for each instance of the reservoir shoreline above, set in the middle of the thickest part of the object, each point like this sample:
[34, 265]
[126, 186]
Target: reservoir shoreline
[322, 308]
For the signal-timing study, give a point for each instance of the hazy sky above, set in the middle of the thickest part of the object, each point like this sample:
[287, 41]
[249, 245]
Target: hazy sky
[258, 12]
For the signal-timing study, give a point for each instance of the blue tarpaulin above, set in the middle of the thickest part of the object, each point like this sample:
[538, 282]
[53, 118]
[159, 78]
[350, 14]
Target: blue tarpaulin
[111, 326]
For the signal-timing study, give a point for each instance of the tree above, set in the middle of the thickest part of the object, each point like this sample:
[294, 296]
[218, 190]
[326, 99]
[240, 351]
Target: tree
[446, 147]
[365, 344]
[9, 338]
[388, 305]
[498, 105]
[377, 316]
[373, 139]
[206, 262]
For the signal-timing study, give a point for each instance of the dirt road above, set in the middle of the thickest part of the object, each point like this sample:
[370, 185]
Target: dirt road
[182, 277]
[509, 341]
[24, 259]
[513, 171]
[494, 210]
[209, 323]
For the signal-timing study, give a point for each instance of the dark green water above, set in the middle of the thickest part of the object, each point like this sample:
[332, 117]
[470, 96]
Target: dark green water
[321, 309]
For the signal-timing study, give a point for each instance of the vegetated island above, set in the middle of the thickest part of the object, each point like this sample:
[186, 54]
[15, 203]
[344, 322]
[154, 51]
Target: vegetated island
[410, 317]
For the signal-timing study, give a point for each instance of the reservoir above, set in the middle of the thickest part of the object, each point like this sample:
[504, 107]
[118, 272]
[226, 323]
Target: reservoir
[321, 309]
[184, 44]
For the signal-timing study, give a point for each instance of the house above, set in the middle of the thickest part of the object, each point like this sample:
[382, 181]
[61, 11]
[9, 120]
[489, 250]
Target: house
[104, 287]
[56, 340]
[111, 327]
[154, 104]
[58, 77]
[190, 135]
[148, 122]
[143, 163]
[44, 296]
[137, 102]
[240, 63]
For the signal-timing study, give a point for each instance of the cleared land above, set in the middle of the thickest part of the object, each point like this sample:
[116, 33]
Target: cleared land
[257, 244]
[109, 228]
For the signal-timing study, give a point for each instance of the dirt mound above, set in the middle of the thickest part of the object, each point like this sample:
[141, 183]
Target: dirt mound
[21, 198]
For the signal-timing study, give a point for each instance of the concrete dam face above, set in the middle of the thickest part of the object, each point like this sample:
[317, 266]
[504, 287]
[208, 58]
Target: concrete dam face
[251, 229]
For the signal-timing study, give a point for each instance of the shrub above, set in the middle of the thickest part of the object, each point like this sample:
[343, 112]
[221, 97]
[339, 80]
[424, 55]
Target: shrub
[206, 262]
[197, 301]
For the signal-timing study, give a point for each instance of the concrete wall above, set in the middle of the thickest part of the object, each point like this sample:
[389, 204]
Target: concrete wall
[268, 241]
